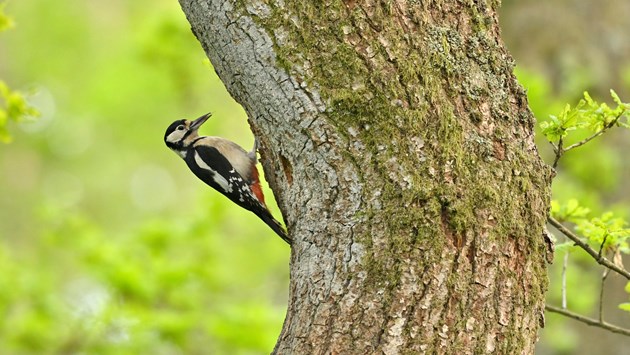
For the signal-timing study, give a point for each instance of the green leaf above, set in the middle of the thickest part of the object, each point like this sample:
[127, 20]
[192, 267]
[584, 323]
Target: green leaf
[5, 21]
[588, 99]
[625, 306]
[607, 229]
[13, 107]
[570, 211]
[587, 114]
[616, 98]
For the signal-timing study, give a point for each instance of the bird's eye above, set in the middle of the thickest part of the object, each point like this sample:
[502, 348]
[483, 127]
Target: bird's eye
[180, 127]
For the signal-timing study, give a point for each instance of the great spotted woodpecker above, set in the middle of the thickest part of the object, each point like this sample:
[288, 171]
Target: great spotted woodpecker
[223, 165]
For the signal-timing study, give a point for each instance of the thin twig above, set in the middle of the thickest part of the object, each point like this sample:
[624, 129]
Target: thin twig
[564, 280]
[559, 152]
[601, 295]
[592, 252]
[601, 247]
[595, 135]
[586, 140]
[555, 149]
[589, 321]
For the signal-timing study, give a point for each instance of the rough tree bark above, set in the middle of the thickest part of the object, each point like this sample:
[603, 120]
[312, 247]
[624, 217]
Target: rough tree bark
[400, 149]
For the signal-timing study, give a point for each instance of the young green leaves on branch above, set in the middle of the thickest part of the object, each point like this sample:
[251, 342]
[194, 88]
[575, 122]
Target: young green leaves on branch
[599, 237]
[13, 105]
[604, 233]
[588, 115]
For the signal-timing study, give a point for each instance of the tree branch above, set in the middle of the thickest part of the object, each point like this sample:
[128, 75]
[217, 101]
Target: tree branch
[595, 135]
[564, 280]
[601, 295]
[559, 151]
[553, 146]
[589, 321]
[592, 252]
[601, 247]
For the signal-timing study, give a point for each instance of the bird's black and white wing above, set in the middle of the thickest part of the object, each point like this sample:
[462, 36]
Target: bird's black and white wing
[209, 165]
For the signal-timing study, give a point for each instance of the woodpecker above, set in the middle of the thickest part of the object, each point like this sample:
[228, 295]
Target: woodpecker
[223, 165]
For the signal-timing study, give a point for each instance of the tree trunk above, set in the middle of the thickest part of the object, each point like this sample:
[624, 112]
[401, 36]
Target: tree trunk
[400, 149]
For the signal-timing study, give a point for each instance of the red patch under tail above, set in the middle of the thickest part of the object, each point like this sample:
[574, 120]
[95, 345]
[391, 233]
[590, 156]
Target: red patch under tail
[256, 188]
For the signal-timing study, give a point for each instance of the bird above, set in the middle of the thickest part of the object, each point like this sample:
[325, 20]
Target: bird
[224, 166]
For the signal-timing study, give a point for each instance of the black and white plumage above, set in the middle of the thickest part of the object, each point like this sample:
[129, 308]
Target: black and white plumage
[223, 165]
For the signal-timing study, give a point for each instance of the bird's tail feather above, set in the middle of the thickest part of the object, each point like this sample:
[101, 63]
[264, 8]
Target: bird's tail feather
[276, 226]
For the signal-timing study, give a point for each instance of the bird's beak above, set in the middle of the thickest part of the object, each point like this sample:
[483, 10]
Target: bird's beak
[198, 122]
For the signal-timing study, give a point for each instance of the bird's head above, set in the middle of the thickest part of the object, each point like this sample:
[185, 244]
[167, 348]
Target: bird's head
[181, 133]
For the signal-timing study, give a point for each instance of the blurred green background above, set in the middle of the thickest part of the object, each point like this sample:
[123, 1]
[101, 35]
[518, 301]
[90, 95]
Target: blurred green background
[109, 245]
